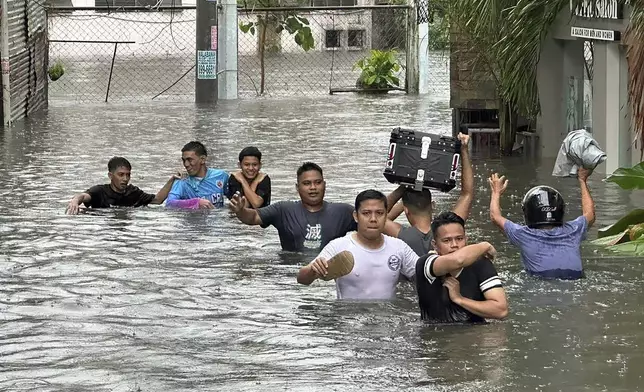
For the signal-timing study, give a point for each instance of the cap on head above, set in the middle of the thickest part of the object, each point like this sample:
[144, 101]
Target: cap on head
[543, 206]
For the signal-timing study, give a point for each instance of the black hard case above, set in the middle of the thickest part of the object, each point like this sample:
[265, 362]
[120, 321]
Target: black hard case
[422, 160]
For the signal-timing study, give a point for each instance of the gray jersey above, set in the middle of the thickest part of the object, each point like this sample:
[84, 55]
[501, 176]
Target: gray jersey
[420, 242]
[300, 229]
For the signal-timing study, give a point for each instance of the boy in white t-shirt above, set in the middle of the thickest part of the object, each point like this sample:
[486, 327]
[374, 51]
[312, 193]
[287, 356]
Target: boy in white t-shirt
[379, 260]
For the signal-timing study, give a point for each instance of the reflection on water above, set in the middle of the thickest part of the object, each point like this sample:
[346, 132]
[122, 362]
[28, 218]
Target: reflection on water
[161, 300]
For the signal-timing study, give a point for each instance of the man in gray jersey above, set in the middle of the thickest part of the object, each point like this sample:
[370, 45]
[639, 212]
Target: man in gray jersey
[417, 206]
[309, 223]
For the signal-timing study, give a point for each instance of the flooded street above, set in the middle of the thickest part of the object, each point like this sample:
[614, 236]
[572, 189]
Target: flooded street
[151, 299]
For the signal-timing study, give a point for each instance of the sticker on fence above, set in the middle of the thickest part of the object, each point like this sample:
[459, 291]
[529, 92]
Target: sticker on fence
[206, 64]
[213, 37]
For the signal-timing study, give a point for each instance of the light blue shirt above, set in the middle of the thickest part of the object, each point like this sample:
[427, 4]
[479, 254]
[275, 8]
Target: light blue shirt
[211, 187]
[550, 253]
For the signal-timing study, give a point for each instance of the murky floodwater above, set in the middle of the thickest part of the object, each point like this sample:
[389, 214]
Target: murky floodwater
[158, 300]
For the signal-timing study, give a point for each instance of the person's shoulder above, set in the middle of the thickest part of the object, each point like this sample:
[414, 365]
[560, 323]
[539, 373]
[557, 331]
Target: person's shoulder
[132, 188]
[102, 188]
[397, 242]
[217, 172]
[332, 205]
[580, 220]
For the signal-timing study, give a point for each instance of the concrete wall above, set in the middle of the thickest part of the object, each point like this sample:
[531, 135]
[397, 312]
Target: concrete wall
[560, 77]
[319, 23]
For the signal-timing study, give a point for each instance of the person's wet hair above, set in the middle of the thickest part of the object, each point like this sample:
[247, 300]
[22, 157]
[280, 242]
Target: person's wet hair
[196, 147]
[250, 152]
[417, 201]
[445, 218]
[308, 166]
[117, 162]
[370, 194]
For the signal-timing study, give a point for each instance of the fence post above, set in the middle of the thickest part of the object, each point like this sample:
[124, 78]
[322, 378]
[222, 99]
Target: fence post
[411, 75]
[423, 46]
[109, 81]
[6, 64]
[206, 70]
[227, 35]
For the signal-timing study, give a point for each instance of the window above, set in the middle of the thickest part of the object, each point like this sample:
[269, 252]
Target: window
[356, 39]
[332, 38]
[333, 3]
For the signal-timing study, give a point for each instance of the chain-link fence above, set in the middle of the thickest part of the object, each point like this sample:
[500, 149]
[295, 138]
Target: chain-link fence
[341, 37]
[134, 54]
[120, 55]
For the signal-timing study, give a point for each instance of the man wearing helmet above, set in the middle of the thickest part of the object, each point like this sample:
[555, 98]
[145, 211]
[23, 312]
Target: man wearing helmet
[550, 247]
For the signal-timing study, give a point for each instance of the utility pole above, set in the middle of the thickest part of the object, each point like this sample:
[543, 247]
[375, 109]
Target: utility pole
[6, 64]
[206, 45]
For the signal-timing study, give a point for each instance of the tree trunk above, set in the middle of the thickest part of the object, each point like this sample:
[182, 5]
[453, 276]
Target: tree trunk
[262, 51]
[507, 126]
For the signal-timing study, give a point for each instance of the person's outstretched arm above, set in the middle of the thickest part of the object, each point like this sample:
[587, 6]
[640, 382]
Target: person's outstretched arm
[498, 185]
[587, 203]
[463, 205]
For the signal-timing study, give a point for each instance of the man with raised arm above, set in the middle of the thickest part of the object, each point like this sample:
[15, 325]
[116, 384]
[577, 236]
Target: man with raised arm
[309, 223]
[550, 247]
[417, 206]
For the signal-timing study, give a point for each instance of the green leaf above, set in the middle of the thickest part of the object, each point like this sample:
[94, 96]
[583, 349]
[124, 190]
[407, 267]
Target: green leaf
[629, 177]
[635, 248]
[299, 39]
[252, 30]
[612, 239]
[245, 27]
[633, 218]
[371, 79]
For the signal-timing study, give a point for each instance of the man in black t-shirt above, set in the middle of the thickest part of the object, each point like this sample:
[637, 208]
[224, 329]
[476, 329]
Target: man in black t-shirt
[119, 192]
[458, 282]
[309, 223]
[249, 182]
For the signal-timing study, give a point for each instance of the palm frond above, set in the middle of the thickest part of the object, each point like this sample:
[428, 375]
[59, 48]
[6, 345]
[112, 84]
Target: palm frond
[634, 40]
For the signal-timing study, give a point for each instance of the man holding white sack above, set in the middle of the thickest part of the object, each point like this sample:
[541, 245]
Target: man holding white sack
[578, 149]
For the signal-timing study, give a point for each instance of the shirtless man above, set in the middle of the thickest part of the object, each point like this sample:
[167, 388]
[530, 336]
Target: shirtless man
[379, 260]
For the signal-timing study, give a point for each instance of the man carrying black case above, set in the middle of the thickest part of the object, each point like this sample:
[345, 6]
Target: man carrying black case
[417, 204]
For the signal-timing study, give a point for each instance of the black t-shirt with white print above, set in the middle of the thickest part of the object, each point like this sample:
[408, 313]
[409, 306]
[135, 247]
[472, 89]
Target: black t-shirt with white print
[103, 196]
[433, 298]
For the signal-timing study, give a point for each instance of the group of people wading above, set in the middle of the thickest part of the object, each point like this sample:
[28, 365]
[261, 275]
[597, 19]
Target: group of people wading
[455, 281]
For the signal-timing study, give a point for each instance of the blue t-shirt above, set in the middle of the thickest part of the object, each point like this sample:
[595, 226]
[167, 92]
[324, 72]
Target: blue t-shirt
[211, 187]
[551, 253]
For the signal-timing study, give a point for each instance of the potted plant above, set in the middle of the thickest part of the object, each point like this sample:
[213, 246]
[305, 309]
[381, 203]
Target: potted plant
[56, 71]
[627, 234]
[378, 71]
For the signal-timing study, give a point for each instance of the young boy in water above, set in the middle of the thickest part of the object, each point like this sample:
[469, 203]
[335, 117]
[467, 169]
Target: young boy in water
[550, 247]
[119, 192]
[249, 181]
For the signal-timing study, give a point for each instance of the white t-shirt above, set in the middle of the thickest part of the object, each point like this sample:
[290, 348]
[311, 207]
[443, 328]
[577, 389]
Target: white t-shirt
[375, 272]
